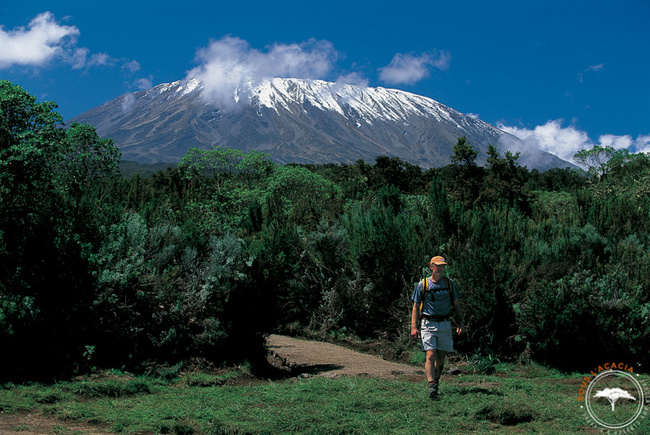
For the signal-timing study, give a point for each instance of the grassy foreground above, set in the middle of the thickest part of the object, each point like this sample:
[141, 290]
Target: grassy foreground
[516, 399]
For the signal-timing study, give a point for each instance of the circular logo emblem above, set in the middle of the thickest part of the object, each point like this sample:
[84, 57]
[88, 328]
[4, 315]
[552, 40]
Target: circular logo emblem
[614, 399]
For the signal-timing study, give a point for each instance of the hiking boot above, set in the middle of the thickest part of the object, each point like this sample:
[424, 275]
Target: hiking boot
[433, 389]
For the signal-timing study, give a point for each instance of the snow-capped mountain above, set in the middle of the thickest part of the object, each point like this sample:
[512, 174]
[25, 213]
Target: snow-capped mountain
[296, 121]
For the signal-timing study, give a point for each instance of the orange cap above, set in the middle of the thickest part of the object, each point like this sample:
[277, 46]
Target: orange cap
[438, 261]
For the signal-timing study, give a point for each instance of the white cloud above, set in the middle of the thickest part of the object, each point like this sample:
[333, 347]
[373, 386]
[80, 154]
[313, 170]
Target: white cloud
[642, 144]
[616, 142]
[553, 138]
[565, 142]
[591, 68]
[45, 40]
[132, 66]
[639, 145]
[127, 103]
[229, 61]
[410, 69]
[81, 58]
[42, 40]
[230, 64]
[144, 83]
[354, 79]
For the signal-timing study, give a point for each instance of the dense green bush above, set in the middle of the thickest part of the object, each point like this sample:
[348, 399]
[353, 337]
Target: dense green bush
[163, 300]
[584, 320]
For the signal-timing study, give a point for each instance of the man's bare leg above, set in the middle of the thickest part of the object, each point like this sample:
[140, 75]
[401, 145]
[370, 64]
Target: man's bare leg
[440, 356]
[430, 365]
[435, 362]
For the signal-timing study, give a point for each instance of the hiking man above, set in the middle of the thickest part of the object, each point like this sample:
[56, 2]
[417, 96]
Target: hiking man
[433, 301]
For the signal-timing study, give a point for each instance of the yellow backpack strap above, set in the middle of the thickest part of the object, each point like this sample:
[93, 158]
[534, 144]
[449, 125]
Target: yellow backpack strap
[450, 290]
[425, 289]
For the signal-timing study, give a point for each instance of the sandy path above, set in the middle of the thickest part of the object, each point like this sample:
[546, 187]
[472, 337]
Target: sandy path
[329, 360]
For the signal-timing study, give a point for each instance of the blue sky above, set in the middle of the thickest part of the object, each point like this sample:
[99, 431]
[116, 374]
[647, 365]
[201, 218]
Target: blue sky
[562, 75]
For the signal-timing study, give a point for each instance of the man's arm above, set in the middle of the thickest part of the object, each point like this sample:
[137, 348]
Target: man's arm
[415, 332]
[461, 317]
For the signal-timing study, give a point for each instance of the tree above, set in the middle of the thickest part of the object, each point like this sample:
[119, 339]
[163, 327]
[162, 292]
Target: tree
[503, 179]
[221, 162]
[628, 175]
[224, 184]
[397, 172]
[600, 160]
[85, 156]
[465, 173]
[464, 154]
[300, 194]
[29, 135]
[44, 261]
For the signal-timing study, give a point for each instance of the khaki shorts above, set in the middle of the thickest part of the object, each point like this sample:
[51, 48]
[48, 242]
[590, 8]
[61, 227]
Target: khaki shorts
[436, 335]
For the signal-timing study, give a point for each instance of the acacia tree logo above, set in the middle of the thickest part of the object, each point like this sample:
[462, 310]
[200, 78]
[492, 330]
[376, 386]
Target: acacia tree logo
[613, 394]
[623, 403]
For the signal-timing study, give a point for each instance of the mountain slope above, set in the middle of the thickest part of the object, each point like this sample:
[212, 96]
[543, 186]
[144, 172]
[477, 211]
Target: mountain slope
[296, 121]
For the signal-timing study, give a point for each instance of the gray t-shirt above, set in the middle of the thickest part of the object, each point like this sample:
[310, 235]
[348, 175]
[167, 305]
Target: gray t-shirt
[437, 302]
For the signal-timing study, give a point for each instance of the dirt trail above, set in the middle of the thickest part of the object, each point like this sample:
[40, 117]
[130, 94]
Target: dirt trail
[329, 360]
[307, 358]
[35, 423]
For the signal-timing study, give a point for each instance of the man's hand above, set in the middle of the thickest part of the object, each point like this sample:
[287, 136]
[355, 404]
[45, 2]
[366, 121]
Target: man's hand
[415, 333]
[461, 328]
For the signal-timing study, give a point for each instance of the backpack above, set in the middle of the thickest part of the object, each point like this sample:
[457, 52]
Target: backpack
[425, 291]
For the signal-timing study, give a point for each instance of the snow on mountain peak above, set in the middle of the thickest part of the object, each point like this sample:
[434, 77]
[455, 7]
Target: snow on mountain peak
[355, 103]
[189, 86]
[366, 104]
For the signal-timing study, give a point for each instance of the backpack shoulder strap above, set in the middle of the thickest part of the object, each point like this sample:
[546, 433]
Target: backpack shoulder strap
[450, 290]
[425, 290]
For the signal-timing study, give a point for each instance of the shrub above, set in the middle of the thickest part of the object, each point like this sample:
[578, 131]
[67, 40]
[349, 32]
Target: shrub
[584, 319]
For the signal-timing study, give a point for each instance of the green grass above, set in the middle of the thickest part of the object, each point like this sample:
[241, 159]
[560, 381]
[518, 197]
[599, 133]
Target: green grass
[516, 399]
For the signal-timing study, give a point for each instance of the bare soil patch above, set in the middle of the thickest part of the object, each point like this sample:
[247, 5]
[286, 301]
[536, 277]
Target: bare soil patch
[315, 358]
[35, 423]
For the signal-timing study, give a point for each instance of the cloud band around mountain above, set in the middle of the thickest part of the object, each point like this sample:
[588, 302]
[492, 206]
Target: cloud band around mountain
[565, 142]
[227, 62]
